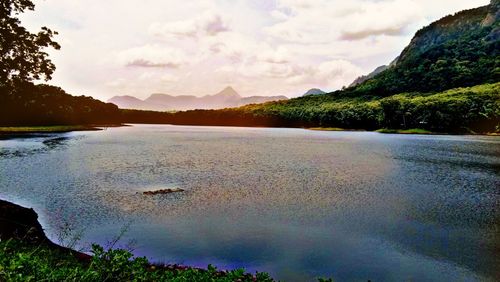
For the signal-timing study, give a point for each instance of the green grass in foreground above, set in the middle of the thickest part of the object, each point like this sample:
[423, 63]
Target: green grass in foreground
[23, 262]
[53, 128]
[405, 131]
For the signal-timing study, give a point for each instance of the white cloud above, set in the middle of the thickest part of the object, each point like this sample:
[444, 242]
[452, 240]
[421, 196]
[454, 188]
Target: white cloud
[208, 23]
[325, 21]
[156, 56]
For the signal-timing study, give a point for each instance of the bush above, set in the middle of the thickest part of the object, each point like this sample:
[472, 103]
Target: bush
[25, 262]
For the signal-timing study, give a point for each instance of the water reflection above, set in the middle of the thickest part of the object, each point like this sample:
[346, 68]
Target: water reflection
[20, 145]
[296, 203]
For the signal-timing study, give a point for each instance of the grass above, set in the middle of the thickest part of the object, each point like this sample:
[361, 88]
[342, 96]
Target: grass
[383, 130]
[26, 262]
[48, 129]
[327, 128]
[52, 128]
[405, 131]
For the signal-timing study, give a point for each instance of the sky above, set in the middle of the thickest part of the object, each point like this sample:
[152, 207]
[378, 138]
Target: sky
[198, 47]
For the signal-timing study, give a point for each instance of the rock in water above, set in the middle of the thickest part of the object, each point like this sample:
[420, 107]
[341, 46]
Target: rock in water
[162, 191]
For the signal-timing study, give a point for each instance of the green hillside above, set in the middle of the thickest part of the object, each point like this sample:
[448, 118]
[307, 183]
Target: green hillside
[455, 51]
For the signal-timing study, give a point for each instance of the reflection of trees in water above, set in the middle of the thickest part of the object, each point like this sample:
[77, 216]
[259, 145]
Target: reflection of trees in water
[50, 143]
[55, 142]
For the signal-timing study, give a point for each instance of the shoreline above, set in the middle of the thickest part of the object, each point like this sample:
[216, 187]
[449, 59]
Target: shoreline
[17, 130]
[8, 130]
[20, 231]
[412, 131]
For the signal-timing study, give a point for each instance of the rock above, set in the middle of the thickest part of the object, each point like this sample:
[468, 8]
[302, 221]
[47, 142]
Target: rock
[20, 223]
[162, 191]
[17, 222]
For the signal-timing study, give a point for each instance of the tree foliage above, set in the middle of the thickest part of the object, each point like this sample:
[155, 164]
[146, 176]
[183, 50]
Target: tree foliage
[22, 53]
[27, 104]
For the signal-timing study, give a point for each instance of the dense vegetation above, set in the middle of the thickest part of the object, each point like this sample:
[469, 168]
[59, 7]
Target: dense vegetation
[29, 104]
[21, 261]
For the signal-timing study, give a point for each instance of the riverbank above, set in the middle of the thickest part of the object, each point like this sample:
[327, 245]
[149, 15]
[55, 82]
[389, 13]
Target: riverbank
[54, 128]
[382, 130]
[402, 131]
[28, 255]
[407, 131]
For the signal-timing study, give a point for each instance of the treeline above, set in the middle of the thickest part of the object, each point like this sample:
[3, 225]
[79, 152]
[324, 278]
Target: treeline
[30, 104]
[462, 110]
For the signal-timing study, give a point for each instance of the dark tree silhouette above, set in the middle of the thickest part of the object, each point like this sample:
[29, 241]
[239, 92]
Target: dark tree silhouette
[22, 56]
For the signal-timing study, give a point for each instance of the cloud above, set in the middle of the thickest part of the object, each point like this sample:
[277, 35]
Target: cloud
[373, 20]
[153, 56]
[367, 32]
[208, 24]
[324, 21]
[329, 74]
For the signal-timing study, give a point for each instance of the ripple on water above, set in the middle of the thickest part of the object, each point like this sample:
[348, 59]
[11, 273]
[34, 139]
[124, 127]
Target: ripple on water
[296, 203]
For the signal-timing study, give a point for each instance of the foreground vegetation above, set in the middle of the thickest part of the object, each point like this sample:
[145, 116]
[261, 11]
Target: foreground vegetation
[26, 254]
[27, 262]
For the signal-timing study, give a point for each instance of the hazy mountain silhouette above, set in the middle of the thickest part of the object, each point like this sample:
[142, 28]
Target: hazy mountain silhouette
[314, 91]
[226, 98]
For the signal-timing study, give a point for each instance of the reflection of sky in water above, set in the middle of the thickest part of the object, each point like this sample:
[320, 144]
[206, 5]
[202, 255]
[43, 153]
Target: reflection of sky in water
[297, 203]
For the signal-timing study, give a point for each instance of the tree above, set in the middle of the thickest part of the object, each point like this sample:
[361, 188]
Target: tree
[22, 55]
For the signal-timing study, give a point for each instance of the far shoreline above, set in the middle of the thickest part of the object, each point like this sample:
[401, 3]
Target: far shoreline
[20, 130]
[10, 130]
[412, 131]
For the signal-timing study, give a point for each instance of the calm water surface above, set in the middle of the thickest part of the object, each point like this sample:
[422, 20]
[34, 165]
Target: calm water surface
[296, 203]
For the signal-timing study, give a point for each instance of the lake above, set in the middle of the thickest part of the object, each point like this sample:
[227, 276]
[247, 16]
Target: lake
[296, 203]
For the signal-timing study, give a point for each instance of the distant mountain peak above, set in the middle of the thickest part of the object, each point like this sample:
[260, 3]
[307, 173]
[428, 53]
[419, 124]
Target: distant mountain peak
[228, 92]
[314, 91]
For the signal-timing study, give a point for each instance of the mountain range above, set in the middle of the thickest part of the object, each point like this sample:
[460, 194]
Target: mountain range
[226, 98]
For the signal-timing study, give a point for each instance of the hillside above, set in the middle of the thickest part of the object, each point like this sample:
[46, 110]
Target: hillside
[371, 75]
[226, 98]
[456, 51]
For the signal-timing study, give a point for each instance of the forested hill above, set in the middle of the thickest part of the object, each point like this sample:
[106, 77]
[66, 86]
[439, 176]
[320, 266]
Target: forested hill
[456, 51]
